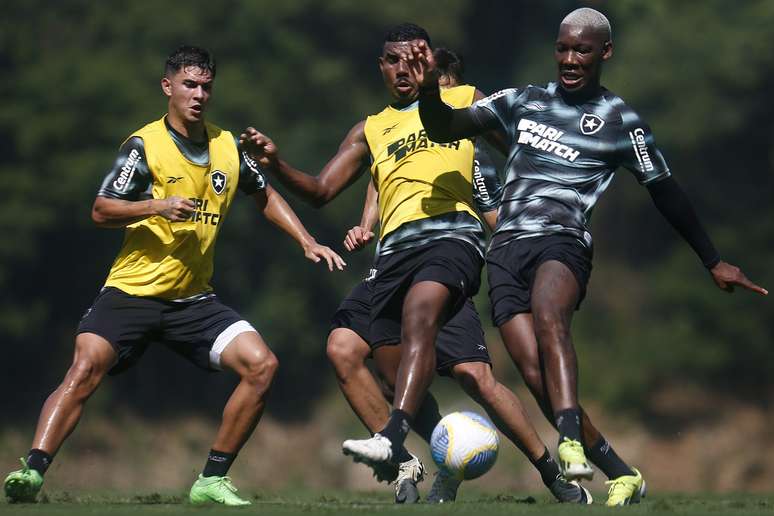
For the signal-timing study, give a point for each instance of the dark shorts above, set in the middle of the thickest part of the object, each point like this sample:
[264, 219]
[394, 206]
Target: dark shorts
[461, 340]
[197, 330]
[451, 262]
[511, 271]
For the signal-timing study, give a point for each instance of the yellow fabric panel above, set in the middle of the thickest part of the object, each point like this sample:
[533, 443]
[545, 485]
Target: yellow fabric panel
[174, 260]
[417, 178]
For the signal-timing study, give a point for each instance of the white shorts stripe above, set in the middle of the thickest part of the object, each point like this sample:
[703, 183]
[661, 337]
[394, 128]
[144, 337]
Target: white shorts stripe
[225, 338]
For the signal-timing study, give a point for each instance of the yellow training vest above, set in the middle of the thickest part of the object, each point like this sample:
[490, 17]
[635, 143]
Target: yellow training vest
[415, 177]
[174, 260]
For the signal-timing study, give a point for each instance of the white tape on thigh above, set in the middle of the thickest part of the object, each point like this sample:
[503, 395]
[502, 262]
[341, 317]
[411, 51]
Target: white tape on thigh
[225, 338]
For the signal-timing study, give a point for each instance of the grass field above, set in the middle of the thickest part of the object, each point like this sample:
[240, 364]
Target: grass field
[310, 503]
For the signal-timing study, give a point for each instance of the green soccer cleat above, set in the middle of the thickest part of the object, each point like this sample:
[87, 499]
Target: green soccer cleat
[215, 490]
[625, 490]
[23, 485]
[573, 461]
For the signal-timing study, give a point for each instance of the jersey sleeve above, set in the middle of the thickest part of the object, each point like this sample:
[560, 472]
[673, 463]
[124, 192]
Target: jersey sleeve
[251, 178]
[487, 189]
[502, 105]
[637, 151]
[129, 179]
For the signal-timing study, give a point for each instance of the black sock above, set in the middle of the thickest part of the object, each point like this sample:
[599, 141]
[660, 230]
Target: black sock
[39, 460]
[218, 463]
[603, 455]
[402, 456]
[547, 467]
[427, 418]
[397, 429]
[568, 424]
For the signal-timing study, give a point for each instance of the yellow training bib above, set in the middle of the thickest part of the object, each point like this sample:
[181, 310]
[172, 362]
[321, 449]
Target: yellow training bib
[417, 178]
[174, 260]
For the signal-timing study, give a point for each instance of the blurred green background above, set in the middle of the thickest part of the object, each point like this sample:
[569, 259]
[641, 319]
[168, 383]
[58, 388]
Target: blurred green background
[79, 76]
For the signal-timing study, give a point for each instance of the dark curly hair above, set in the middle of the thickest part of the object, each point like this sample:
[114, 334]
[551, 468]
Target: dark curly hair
[186, 56]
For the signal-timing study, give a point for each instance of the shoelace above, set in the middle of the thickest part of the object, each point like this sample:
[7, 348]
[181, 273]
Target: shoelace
[616, 486]
[574, 450]
[413, 471]
[226, 482]
[25, 466]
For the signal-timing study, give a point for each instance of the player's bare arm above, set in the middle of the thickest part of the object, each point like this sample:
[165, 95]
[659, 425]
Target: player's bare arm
[278, 212]
[345, 167]
[117, 213]
[361, 235]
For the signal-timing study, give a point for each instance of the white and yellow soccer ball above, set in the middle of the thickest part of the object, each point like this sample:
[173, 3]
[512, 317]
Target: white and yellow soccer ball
[464, 445]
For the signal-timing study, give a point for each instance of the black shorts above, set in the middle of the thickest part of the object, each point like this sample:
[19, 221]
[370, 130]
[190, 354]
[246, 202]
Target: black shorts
[461, 340]
[511, 271]
[453, 263]
[198, 330]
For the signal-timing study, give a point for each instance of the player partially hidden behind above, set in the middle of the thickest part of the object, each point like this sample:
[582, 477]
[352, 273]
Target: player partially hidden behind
[566, 141]
[171, 187]
[428, 266]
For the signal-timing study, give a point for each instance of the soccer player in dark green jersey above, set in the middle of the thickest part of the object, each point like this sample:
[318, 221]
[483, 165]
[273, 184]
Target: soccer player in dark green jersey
[566, 141]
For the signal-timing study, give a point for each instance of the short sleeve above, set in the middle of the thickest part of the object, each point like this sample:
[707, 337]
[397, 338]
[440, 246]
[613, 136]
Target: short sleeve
[130, 178]
[637, 151]
[502, 105]
[251, 178]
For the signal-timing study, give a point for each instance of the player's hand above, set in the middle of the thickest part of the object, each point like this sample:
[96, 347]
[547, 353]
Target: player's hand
[421, 62]
[727, 276]
[175, 209]
[317, 252]
[259, 146]
[357, 238]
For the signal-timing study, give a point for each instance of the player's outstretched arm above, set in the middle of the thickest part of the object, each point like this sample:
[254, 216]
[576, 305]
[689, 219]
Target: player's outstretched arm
[345, 167]
[116, 213]
[441, 121]
[674, 205]
[361, 235]
[279, 213]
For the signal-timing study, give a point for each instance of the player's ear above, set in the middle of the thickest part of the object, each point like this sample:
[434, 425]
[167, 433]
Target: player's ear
[607, 50]
[166, 86]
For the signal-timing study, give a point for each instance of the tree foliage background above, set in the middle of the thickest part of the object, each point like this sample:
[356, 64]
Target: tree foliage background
[79, 76]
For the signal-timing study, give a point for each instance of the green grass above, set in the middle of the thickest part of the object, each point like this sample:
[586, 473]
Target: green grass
[304, 502]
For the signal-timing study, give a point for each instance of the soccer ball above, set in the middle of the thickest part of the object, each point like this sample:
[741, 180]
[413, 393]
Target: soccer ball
[464, 445]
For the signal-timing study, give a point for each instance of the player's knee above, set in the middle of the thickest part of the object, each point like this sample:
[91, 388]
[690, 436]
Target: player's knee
[550, 326]
[83, 376]
[344, 356]
[417, 333]
[261, 368]
[533, 377]
[476, 379]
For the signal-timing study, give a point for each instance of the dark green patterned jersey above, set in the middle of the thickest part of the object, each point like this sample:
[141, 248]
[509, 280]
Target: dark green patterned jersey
[563, 156]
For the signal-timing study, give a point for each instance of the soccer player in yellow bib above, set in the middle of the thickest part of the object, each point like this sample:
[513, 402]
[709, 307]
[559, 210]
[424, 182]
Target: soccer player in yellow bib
[430, 255]
[170, 188]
